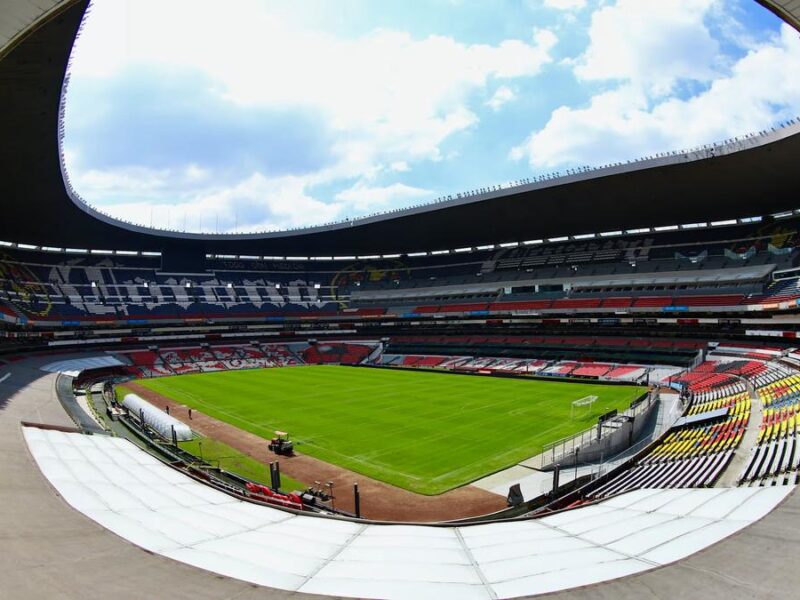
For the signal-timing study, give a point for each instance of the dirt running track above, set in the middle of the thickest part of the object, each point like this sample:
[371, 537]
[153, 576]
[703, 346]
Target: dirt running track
[379, 500]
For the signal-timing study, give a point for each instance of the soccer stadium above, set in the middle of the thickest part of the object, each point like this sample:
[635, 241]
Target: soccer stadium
[584, 384]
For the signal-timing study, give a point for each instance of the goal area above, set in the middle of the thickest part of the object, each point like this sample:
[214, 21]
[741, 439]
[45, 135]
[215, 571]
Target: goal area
[582, 406]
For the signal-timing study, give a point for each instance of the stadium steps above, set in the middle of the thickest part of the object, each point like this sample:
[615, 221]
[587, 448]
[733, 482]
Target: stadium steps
[295, 356]
[750, 450]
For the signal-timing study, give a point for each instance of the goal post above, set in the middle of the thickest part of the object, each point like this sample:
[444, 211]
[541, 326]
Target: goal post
[582, 406]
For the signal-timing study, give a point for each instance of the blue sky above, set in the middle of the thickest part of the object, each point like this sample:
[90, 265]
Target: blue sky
[269, 115]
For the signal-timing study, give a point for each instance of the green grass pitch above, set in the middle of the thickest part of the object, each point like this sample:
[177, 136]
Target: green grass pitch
[225, 457]
[425, 432]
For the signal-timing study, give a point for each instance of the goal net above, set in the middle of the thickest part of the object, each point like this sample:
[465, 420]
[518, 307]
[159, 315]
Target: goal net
[582, 406]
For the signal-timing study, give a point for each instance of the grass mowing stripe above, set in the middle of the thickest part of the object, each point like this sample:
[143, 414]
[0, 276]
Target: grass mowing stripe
[427, 432]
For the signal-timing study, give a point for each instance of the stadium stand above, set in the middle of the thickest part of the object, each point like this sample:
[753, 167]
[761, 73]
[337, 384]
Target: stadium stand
[172, 361]
[629, 373]
[607, 372]
[50, 288]
[709, 310]
[336, 352]
[689, 456]
[591, 370]
[699, 448]
[776, 458]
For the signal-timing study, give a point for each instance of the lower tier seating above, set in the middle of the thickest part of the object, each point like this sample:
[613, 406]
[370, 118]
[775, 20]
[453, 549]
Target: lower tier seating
[776, 455]
[688, 456]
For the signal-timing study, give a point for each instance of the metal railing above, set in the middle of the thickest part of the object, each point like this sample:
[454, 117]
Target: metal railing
[600, 468]
[567, 447]
[666, 418]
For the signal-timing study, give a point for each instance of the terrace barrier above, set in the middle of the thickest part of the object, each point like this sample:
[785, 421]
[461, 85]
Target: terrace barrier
[603, 439]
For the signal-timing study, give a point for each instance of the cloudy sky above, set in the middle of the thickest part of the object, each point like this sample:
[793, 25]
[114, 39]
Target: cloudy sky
[257, 115]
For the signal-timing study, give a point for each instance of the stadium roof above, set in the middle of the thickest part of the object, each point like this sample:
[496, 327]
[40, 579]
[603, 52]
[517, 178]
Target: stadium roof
[750, 177]
[788, 10]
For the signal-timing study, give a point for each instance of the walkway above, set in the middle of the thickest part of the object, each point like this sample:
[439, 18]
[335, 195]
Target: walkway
[742, 455]
[145, 501]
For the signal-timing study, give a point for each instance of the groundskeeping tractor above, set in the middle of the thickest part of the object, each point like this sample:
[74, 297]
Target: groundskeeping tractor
[281, 444]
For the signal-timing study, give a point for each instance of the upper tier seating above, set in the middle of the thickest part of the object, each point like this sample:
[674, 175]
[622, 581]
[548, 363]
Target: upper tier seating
[213, 300]
[554, 340]
[780, 291]
[702, 271]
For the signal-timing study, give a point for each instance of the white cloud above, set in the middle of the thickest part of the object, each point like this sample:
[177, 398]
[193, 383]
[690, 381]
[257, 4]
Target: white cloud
[255, 203]
[393, 97]
[388, 99]
[283, 201]
[503, 95]
[366, 198]
[565, 4]
[134, 181]
[625, 123]
[653, 44]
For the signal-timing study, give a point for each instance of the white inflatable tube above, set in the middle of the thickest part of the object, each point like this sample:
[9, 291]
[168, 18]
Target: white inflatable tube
[157, 418]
